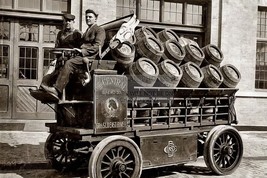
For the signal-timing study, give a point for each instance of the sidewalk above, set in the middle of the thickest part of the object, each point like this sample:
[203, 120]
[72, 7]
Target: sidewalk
[21, 149]
[25, 149]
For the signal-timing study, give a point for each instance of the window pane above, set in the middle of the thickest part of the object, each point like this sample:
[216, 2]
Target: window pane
[194, 14]
[261, 66]
[4, 30]
[29, 4]
[125, 7]
[173, 12]
[262, 22]
[48, 57]
[28, 32]
[4, 61]
[57, 5]
[6, 4]
[150, 10]
[28, 63]
[50, 33]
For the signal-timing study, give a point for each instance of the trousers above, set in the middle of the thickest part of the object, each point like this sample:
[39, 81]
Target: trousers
[69, 67]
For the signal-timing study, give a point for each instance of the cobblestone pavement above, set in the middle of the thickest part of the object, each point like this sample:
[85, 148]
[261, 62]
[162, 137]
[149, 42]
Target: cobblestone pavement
[253, 165]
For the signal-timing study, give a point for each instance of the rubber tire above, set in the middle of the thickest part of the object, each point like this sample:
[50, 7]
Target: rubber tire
[103, 148]
[210, 158]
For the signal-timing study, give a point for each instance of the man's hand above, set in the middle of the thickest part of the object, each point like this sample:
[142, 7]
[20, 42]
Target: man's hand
[86, 60]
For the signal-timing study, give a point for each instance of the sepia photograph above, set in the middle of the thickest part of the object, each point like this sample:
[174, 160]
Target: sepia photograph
[133, 88]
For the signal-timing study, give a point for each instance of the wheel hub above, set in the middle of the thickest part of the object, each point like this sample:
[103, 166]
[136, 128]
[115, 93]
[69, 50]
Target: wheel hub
[120, 166]
[227, 150]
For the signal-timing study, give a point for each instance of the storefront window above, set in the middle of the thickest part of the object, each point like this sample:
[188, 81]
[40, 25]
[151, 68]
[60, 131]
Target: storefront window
[50, 33]
[28, 32]
[7, 4]
[4, 30]
[173, 12]
[48, 57]
[124, 7]
[57, 5]
[150, 10]
[28, 62]
[29, 4]
[194, 14]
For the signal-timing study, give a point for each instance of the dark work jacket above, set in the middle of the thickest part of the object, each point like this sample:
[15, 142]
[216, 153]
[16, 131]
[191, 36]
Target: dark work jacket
[69, 39]
[92, 40]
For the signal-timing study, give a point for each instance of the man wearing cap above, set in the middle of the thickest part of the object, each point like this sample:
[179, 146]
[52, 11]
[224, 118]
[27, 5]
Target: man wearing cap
[92, 40]
[68, 37]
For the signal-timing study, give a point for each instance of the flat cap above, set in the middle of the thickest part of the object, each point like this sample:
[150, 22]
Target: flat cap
[69, 16]
[91, 11]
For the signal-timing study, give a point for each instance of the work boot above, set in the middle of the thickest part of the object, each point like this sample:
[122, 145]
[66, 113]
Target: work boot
[51, 90]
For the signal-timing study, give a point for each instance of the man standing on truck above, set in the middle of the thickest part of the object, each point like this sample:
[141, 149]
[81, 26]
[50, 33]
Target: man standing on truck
[68, 37]
[92, 40]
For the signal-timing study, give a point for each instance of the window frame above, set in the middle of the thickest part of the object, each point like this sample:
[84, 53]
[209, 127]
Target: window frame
[260, 40]
[183, 28]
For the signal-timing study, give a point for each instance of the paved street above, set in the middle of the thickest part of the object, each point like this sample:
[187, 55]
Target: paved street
[253, 165]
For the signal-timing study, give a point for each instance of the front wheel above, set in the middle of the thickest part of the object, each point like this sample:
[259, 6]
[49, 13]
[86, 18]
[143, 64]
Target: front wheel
[116, 157]
[224, 150]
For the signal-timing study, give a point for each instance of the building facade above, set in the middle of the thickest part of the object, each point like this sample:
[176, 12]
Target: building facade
[28, 29]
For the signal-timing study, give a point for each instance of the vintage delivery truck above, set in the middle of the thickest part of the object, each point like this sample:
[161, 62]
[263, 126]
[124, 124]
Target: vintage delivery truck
[120, 126]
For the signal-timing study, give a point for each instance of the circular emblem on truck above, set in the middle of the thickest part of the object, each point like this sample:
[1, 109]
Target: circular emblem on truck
[170, 149]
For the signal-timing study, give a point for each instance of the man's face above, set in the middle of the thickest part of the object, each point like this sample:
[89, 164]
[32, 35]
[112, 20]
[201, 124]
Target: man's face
[90, 19]
[68, 24]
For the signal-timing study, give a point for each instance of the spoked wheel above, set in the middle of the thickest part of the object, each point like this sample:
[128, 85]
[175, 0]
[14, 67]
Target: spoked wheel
[116, 157]
[224, 150]
[62, 152]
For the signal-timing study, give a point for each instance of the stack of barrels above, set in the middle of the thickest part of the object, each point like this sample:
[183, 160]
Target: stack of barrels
[165, 60]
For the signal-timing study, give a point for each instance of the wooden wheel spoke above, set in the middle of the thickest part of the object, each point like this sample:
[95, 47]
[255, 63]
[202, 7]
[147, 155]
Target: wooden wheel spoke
[110, 159]
[130, 168]
[113, 158]
[57, 144]
[128, 162]
[217, 144]
[104, 162]
[125, 174]
[126, 156]
[224, 150]
[112, 151]
[122, 154]
[105, 169]
[107, 175]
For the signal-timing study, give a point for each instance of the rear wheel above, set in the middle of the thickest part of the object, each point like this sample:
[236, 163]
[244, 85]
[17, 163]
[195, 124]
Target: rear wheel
[65, 153]
[224, 150]
[116, 157]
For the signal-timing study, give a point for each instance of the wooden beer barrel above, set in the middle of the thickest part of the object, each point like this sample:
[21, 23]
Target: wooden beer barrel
[144, 72]
[143, 32]
[192, 75]
[185, 41]
[166, 35]
[149, 47]
[173, 51]
[231, 76]
[194, 54]
[169, 74]
[212, 76]
[124, 54]
[213, 55]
